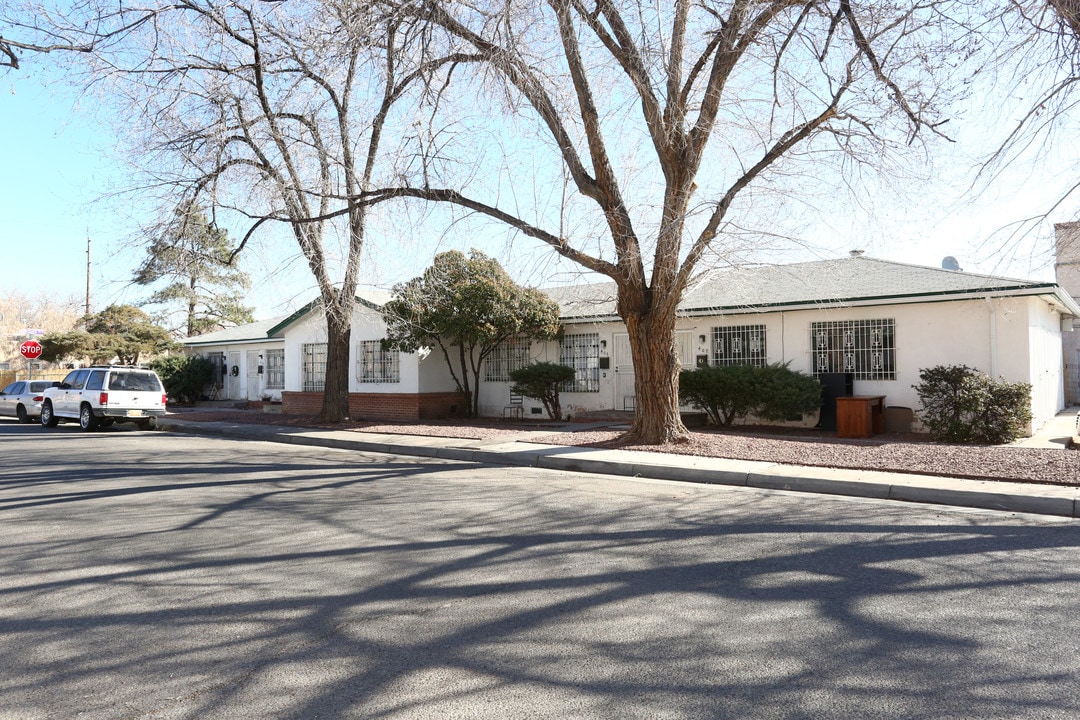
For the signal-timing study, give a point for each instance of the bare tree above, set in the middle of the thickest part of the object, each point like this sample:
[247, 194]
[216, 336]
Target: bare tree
[274, 112]
[663, 116]
[1069, 12]
[1036, 64]
[29, 27]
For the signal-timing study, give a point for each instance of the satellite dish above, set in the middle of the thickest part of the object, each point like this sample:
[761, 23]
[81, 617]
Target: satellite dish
[950, 263]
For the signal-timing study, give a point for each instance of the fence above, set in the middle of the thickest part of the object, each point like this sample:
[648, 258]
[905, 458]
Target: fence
[9, 376]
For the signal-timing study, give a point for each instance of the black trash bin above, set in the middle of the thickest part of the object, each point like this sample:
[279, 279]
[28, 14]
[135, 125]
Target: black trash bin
[833, 385]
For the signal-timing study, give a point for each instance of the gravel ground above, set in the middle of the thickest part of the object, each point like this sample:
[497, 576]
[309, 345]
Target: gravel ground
[900, 453]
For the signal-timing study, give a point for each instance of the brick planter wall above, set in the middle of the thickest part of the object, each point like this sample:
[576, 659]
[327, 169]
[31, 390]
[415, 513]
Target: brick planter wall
[301, 403]
[398, 407]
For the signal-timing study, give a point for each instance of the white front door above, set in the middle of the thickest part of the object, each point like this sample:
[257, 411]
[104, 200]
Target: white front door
[254, 386]
[624, 372]
[232, 379]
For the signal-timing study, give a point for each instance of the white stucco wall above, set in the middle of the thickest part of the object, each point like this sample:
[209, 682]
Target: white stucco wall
[434, 373]
[1045, 366]
[248, 384]
[1067, 274]
[367, 325]
[1015, 338]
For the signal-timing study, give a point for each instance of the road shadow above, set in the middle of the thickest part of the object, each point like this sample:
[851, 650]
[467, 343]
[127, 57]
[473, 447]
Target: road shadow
[300, 587]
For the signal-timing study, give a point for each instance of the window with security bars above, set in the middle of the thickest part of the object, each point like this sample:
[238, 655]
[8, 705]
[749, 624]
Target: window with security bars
[739, 345]
[582, 353]
[314, 364]
[507, 356]
[375, 365]
[275, 369]
[866, 348]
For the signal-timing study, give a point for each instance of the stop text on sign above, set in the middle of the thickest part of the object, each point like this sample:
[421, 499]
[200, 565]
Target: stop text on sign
[31, 349]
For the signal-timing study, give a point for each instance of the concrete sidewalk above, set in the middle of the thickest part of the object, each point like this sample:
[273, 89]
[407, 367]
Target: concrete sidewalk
[517, 451]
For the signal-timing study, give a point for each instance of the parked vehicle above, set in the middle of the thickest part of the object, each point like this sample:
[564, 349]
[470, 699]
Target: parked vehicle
[22, 399]
[100, 395]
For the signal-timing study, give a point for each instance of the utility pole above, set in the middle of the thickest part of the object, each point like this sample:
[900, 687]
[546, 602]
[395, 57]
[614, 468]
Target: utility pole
[87, 314]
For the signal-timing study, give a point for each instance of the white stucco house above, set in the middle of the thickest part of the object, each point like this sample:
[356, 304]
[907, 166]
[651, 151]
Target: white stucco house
[878, 320]
[1067, 273]
[284, 359]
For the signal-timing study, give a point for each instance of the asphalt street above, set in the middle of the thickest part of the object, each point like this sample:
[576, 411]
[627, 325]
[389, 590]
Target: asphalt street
[158, 575]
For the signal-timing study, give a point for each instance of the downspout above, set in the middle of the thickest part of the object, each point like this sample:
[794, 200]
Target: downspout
[783, 338]
[993, 337]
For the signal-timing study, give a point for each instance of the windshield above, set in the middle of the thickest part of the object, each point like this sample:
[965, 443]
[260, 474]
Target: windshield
[37, 386]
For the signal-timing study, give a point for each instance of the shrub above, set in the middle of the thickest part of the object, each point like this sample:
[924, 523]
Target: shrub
[963, 405]
[541, 381]
[184, 376]
[773, 392]
[785, 392]
[724, 393]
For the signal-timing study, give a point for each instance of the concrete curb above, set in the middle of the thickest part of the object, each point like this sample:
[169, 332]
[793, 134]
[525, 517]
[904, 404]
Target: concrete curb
[982, 494]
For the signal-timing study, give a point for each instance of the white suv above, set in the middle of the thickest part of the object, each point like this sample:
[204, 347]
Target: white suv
[100, 395]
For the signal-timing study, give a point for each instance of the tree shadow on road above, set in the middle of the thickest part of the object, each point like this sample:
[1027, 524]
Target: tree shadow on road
[330, 588]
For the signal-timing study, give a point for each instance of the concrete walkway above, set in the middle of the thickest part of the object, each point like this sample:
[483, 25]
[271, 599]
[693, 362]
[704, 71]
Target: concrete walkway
[518, 451]
[1059, 432]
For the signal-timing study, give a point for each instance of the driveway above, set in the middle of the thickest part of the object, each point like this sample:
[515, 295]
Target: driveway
[153, 575]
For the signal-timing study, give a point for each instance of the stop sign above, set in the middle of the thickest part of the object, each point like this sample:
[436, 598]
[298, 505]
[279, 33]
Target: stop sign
[31, 349]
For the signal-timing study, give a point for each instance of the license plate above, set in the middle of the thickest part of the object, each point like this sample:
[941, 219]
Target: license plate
[134, 413]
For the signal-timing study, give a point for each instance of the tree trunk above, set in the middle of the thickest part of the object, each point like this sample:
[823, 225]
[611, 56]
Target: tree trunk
[656, 380]
[335, 407]
[466, 383]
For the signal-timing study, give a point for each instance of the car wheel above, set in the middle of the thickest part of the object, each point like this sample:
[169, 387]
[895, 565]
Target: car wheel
[20, 412]
[150, 424]
[87, 420]
[47, 417]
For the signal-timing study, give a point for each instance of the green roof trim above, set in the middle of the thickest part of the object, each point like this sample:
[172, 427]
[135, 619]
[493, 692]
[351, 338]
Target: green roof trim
[311, 306]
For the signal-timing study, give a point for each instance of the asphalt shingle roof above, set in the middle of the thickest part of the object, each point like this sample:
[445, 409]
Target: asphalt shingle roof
[819, 282]
[241, 333]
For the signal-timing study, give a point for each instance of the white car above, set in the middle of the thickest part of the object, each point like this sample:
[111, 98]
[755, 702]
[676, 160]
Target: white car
[100, 395]
[22, 399]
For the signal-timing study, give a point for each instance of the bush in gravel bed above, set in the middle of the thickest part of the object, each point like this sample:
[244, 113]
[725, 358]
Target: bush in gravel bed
[184, 377]
[541, 381]
[725, 393]
[963, 405]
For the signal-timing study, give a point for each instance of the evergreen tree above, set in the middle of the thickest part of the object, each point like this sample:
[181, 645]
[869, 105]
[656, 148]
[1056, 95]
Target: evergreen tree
[192, 256]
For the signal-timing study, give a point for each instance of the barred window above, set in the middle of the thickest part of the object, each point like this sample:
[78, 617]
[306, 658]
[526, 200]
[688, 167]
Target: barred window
[866, 348]
[375, 365]
[507, 356]
[582, 353]
[739, 345]
[314, 364]
[275, 369]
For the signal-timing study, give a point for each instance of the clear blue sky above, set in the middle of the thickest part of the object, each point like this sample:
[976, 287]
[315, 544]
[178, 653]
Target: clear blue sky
[58, 162]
